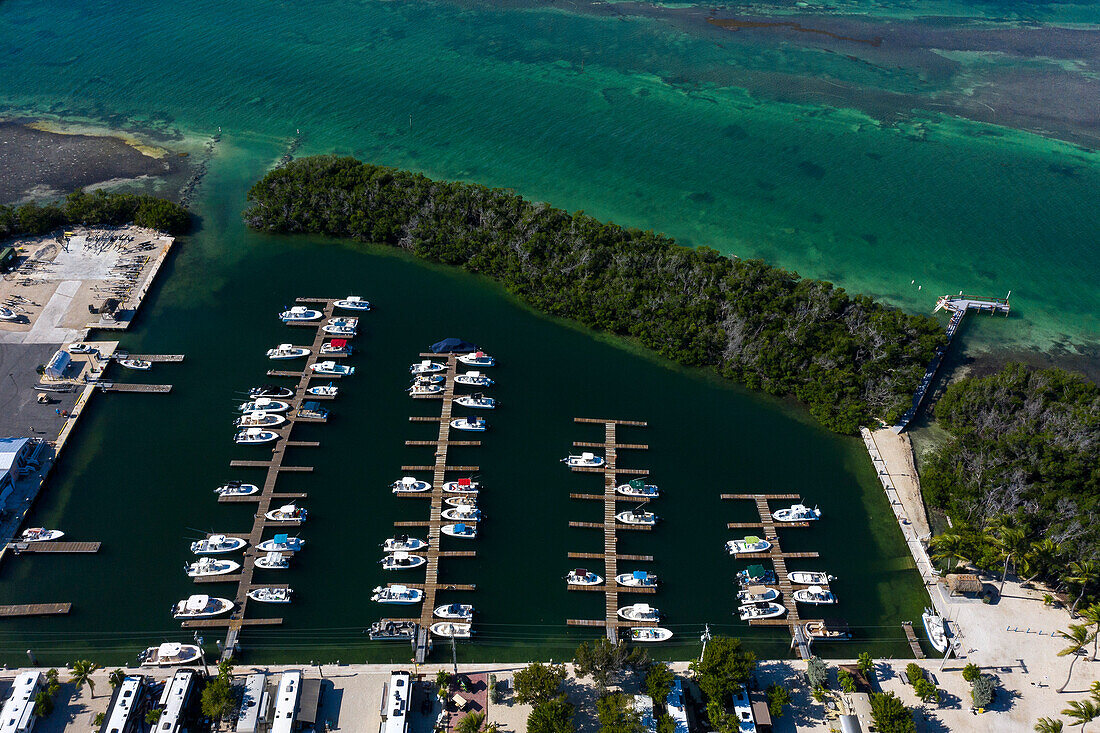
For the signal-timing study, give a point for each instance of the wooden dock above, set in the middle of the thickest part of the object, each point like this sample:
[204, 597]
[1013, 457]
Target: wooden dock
[141, 388]
[911, 637]
[153, 358]
[20, 548]
[36, 609]
[612, 472]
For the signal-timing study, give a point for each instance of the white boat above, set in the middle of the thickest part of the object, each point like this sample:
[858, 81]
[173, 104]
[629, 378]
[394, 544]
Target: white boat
[421, 390]
[475, 379]
[749, 544]
[287, 351]
[402, 561]
[255, 436]
[344, 321]
[403, 543]
[451, 630]
[637, 517]
[323, 390]
[7, 314]
[470, 424]
[339, 347]
[273, 561]
[169, 655]
[427, 367]
[332, 368]
[830, 629]
[201, 606]
[461, 486]
[237, 488]
[77, 348]
[583, 460]
[264, 404]
[353, 303]
[334, 329]
[936, 628]
[461, 500]
[429, 379]
[637, 579]
[478, 359]
[271, 390]
[300, 314]
[815, 595]
[216, 544]
[797, 513]
[649, 634]
[638, 487]
[809, 577]
[259, 419]
[583, 576]
[41, 534]
[270, 595]
[410, 485]
[205, 567]
[761, 610]
[139, 364]
[281, 543]
[477, 401]
[639, 612]
[461, 530]
[757, 594]
[397, 594]
[455, 611]
[287, 513]
[464, 513]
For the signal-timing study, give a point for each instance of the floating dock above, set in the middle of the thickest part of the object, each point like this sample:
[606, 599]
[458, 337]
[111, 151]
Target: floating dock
[36, 609]
[20, 548]
[141, 388]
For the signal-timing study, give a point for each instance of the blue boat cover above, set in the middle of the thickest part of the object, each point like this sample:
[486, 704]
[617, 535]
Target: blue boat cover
[280, 539]
[460, 528]
[447, 346]
[640, 575]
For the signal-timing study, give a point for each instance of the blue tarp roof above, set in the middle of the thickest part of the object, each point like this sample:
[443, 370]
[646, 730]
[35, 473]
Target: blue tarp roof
[452, 344]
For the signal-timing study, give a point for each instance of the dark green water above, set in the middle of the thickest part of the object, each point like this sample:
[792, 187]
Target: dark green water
[139, 476]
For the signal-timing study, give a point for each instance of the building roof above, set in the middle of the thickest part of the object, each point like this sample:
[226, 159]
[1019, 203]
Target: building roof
[964, 583]
[10, 448]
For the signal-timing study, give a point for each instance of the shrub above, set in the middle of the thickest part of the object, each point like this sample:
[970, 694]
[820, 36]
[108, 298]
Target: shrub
[538, 683]
[982, 690]
[926, 691]
[913, 672]
[847, 682]
[971, 672]
[890, 715]
[554, 716]
[778, 697]
[725, 667]
[658, 682]
[817, 673]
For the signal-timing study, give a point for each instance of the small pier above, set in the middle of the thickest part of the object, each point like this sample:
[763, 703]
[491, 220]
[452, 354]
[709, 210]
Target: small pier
[611, 471]
[20, 548]
[36, 609]
[152, 358]
[911, 637]
[139, 388]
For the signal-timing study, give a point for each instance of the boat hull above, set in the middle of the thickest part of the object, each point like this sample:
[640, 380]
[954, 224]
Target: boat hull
[232, 544]
[649, 634]
[451, 630]
[188, 653]
[259, 596]
[454, 612]
[449, 530]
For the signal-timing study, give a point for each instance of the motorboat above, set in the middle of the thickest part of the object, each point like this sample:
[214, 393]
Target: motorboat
[270, 595]
[336, 347]
[429, 379]
[423, 390]
[216, 544]
[461, 486]
[582, 576]
[457, 611]
[756, 575]
[41, 534]
[639, 612]
[353, 303]
[645, 634]
[757, 594]
[797, 513]
[478, 359]
[461, 500]
[273, 561]
[338, 329]
[397, 594]
[461, 530]
[809, 577]
[7, 314]
[169, 655]
[638, 487]
[749, 544]
[815, 595]
[313, 411]
[477, 401]
[237, 488]
[465, 513]
[830, 629]
[300, 314]
[281, 543]
[344, 321]
[264, 404]
[394, 630]
[474, 379]
[403, 543]
[637, 579]
[637, 517]
[255, 436]
[332, 368]
[451, 630]
[287, 351]
[402, 561]
[410, 485]
[202, 606]
[139, 364]
[936, 628]
[205, 567]
[287, 513]
[769, 609]
[323, 390]
[259, 419]
[427, 367]
[271, 390]
[584, 460]
[470, 424]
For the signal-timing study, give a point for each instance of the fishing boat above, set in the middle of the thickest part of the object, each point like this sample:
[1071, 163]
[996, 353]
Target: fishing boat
[323, 390]
[829, 629]
[461, 500]
[646, 634]
[336, 347]
[287, 351]
[423, 390]
[464, 531]
[41, 534]
[402, 561]
[936, 628]
[273, 561]
[638, 487]
[451, 630]
[340, 329]
[637, 579]
[205, 567]
[201, 606]
[756, 575]
[815, 595]
[259, 419]
[410, 485]
[264, 404]
[331, 368]
[760, 610]
[300, 314]
[582, 576]
[465, 513]
[749, 544]
[313, 411]
[353, 303]
[281, 543]
[139, 364]
[455, 611]
[475, 379]
[637, 517]
[237, 488]
[255, 436]
[477, 401]
[392, 629]
[397, 594]
[271, 390]
[7, 314]
[478, 359]
[427, 367]
[461, 486]
[639, 612]
[809, 577]
[584, 460]
[797, 513]
[757, 594]
[287, 513]
[470, 424]
[216, 544]
[169, 655]
[270, 595]
[429, 379]
[403, 543]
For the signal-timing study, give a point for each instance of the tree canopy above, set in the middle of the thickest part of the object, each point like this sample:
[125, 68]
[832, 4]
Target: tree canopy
[890, 714]
[604, 662]
[617, 714]
[554, 716]
[538, 683]
[94, 209]
[724, 668]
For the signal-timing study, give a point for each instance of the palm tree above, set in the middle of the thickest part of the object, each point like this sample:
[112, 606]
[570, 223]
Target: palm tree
[1082, 573]
[1011, 543]
[1078, 637]
[115, 678]
[1048, 725]
[949, 546]
[1091, 614]
[1082, 711]
[82, 674]
[1042, 555]
[471, 723]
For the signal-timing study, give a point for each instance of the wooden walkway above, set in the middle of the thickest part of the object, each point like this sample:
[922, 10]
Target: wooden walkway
[911, 637]
[610, 526]
[36, 609]
[143, 388]
[20, 548]
[152, 358]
